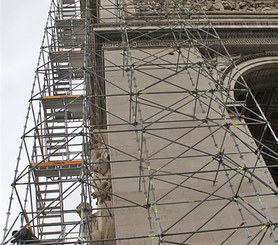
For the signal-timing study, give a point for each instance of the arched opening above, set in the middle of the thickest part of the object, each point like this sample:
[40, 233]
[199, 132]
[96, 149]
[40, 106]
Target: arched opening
[262, 79]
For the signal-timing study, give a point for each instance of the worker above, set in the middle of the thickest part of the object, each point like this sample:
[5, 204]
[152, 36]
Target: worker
[24, 236]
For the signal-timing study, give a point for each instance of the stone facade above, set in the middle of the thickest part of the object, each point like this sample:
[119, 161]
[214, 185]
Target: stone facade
[182, 167]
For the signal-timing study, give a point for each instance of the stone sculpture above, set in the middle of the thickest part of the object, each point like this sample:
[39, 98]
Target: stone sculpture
[207, 5]
[103, 224]
[100, 169]
[102, 188]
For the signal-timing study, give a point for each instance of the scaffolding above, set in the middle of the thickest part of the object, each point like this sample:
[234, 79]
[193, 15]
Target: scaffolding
[134, 135]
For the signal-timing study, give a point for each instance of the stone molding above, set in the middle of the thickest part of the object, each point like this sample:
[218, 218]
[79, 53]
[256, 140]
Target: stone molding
[258, 58]
[246, 40]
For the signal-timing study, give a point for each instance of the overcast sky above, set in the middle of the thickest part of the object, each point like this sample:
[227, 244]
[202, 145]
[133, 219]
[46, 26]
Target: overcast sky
[21, 27]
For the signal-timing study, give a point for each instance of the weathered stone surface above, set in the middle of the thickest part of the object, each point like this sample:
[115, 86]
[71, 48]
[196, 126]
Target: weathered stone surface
[191, 198]
[103, 223]
[210, 5]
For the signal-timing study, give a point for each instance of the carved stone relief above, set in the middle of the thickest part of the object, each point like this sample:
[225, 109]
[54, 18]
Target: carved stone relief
[104, 225]
[206, 5]
[99, 225]
[100, 170]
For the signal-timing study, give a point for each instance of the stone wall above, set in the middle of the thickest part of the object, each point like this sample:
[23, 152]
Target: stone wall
[189, 141]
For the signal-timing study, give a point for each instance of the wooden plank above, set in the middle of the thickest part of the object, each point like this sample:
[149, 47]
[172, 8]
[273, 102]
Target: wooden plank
[55, 163]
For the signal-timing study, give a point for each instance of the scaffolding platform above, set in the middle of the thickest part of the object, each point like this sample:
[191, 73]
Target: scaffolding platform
[68, 1]
[67, 73]
[52, 168]
[71, 32]
[74, 57]
[67, 65]
[71, 103]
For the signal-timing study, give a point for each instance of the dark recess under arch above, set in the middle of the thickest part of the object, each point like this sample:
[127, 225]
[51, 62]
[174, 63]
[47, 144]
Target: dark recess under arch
[263, 82]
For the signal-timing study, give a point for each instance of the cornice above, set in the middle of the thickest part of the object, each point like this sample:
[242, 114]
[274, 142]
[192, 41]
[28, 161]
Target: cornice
[217, 21]
[234, 40]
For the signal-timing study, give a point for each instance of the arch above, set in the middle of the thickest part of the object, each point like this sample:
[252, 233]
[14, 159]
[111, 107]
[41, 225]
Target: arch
[249, 63]
[260, 72]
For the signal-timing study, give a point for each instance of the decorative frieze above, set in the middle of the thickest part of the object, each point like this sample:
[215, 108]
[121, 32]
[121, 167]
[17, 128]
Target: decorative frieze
[206, 5]
[235, 39]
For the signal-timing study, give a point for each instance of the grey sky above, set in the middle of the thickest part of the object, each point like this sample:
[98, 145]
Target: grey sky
[21, 31]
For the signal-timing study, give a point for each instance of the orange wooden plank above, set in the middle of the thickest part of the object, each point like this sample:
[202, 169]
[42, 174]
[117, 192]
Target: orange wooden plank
[55, 163]
[68, 52]
[61, 96]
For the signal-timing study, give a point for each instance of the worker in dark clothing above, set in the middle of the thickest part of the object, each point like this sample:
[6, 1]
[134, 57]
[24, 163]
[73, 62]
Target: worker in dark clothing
[23, 236]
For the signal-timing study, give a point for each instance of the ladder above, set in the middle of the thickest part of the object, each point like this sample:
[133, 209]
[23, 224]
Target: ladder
[50, 206]
[68, 8]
